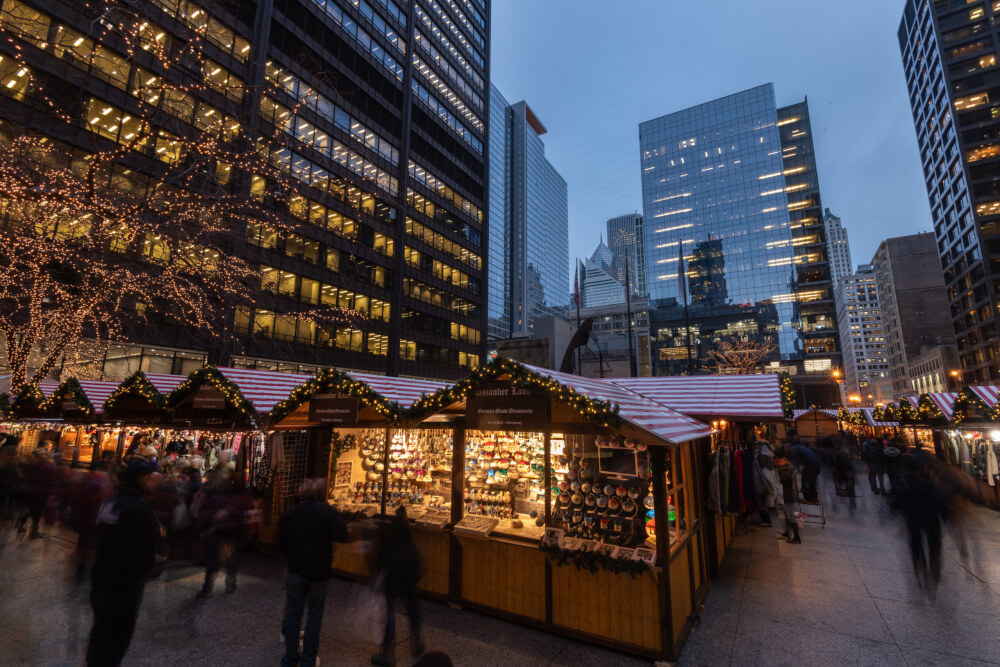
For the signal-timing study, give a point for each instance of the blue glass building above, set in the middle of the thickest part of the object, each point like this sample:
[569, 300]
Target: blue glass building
[528, 223]
[731, 186]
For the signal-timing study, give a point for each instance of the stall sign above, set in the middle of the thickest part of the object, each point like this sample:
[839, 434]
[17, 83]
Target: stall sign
[505, 408]
[70, 406]
[333, 409]
[207, 398]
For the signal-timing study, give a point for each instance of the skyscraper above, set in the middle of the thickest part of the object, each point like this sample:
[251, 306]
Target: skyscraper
[376, 108]
[598, 286]
[731, 185]
[627, 240]
[838, 249]
[862, 337]
[529, 223]
[949, 52]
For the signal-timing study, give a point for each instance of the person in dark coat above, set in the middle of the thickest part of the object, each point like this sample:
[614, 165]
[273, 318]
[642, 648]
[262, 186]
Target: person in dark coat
[922, 506]
[874, 457]
[399, 564]
[225, 514]
[786, 476]
[809, 463]
[306, 534]
[128, 538]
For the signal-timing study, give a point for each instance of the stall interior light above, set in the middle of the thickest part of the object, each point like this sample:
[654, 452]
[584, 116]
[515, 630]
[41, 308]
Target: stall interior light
[995, 436]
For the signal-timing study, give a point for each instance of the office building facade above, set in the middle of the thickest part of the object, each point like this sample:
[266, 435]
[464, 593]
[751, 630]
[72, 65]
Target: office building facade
[627, 242]
[598, 285]
[837, 247]
[862, 338]
[730, 190]
[913, 302]
[529, 223]
[377, 108]
[949, 52]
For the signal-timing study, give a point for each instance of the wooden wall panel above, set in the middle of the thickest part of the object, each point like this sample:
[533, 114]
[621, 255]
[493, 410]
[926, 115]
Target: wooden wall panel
[503, 576]
[349, 559]
[433, 547]
[614, 606]
[680, 590]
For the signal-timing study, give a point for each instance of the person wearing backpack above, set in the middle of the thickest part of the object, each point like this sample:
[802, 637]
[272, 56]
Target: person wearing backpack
[873, 455]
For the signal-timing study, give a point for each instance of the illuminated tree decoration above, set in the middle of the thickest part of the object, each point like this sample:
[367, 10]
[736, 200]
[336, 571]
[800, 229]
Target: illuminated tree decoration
[928, 411]
[116, 216]
[210, 375]
[969, 400]
[787, 395]
[853, 417]
[28, 400]
[742, 355]
[599, 413]
[136, 385]
[69, 390]
[332, 380]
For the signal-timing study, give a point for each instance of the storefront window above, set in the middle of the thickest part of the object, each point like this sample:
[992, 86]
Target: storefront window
[601, 490]
[420, 469]
[679, 501]
[505, 479]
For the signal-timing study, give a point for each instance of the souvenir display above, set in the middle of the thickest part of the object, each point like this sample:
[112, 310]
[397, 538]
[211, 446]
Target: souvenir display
[603, 490]
[504, 478]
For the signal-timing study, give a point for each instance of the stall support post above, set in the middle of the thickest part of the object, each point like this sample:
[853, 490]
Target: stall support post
[385, 470]
[457, 507]
[548, 522]
[658, 463]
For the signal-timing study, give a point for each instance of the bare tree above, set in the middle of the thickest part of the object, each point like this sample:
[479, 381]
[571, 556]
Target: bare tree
[145, 225]
[741, 355]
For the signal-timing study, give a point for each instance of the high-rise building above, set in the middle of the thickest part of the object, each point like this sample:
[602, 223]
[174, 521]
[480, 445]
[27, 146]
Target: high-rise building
[627, 241]
[730, 190]
[837, 247]
[913, 302]
[597, 286]
[377, 108]
[949, 52]
[529, 223]
[862, 338]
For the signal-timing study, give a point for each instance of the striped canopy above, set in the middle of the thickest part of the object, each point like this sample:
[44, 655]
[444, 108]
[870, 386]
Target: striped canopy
[869, 414]
[661, 421]
[263, 388]
[164, 383]
[403, 391]
[756, 396]
[989, 395]
[97, 391]
[796, 414]
[945, 402]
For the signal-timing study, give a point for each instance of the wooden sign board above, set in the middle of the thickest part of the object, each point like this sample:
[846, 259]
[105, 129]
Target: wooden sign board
[505, 408]
[207, 398]
[333, 409]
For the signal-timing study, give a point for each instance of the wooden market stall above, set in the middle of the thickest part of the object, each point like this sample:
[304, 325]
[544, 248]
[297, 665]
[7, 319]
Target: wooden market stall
[373, 464]
[815, 424]
[29, 418]
[576, 506]
[868, 423]
[742, 408]
[84, 436]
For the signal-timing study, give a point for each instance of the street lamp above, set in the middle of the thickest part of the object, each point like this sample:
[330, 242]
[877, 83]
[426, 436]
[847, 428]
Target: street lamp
[854, 398]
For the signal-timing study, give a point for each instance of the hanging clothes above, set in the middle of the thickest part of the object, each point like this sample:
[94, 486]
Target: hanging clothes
[713, 500]
[749, 488]
[734, 491]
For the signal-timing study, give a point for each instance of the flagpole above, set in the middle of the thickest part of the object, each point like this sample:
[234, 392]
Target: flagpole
[576, 298]
[687, 321]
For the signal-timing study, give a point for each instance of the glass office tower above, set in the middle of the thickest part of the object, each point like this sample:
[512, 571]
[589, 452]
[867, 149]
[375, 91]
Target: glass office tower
[730, 191]
[625, 239]
[528, 223]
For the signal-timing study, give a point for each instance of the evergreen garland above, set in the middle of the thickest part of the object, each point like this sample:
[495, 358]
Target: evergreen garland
[332, 380]
[210, 375]
[968, 399]
[592, 561]
[139, 385]
[28, 395]
[787, 395]
[69, 390]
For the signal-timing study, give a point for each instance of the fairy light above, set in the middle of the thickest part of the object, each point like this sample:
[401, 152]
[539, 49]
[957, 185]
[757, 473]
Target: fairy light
[136, 385]
[95, 245]
[330, 379]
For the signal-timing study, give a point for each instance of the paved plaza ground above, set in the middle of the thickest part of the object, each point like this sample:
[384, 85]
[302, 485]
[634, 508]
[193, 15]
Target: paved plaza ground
[845, 596]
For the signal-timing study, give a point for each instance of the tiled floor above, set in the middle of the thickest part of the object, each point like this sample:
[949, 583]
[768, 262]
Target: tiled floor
[845, 596]
[848, 596]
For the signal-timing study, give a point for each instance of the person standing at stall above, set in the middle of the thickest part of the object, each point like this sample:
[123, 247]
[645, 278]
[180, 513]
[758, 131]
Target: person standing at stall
[400, 568]
[306, 534]
[809, 463]
[786, 476]
[874, 458]
[128, 537]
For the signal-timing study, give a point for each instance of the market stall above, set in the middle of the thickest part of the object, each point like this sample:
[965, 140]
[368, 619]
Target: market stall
[373, 464]
[814, 424]
[868, 422]
[744, 409]
[577, 506]
[973, 441]
[80, 405]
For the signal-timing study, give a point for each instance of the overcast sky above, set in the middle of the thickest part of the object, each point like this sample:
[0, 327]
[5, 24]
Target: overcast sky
[593, 70]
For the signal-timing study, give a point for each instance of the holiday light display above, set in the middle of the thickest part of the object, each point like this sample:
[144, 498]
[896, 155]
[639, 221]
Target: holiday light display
[137, 385]
[742, 355]
[144, 225]
[332, 380]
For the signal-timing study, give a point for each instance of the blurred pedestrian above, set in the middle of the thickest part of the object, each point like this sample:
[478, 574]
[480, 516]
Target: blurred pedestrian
[228, 510]
[874, 458]
[400, 568]
[809, 465]
[9, 485]
[128, 537]
[922, 507]
[87, 500]
[788, 499]
[892, 455]
[306, 534]
[40, 478]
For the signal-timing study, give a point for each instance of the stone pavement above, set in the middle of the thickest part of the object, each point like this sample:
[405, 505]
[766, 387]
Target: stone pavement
[848, 596]
[845, 596]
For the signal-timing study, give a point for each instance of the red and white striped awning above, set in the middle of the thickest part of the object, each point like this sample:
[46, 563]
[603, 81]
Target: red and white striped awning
[756, 396]
[403, 391]
[802, 413]
[48, 387]
[989, 395]
[97, 391]
[659, 420]
[945, 402]
[870, 417]
[164, 383]
[263, 388]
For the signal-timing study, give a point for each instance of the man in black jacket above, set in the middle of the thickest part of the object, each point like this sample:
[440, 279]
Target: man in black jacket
[305, 535]
[126, 554]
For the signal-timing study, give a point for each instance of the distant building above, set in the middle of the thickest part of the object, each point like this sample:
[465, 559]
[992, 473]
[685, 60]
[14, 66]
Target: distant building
[915, 313]
[931, 371]
[838, 248]
[626, 240]
[528, 223]
[949, 53]
[607, 354]
[731, 185]
[597, 286]
[862, 337]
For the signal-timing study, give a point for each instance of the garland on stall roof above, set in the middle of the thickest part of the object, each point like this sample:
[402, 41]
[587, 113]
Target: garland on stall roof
[787, 395]
[69, 390]
[600, 413]
[928, 411]
[905, 412]
[211, 375]
[855, 417]
[139, 385]
[592, 561]
[333, 380]
[969, 400]
[30, 394]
